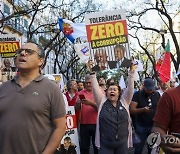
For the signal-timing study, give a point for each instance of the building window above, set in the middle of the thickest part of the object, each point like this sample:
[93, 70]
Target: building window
[6, 10]
[17, 23]
[25, 24]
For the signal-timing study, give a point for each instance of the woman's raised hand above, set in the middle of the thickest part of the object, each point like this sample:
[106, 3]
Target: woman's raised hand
[89, 65]
[133, 65]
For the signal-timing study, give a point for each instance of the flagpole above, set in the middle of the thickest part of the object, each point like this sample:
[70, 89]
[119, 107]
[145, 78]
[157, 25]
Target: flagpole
[163, 32]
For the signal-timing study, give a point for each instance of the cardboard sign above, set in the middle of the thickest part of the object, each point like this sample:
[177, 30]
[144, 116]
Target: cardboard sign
[59, 79]
[8, 49]
[107, 35]
[71, 130]
[9, 43]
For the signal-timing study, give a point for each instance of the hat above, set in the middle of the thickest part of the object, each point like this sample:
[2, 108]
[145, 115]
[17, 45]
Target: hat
[50, 77]
[149, 84]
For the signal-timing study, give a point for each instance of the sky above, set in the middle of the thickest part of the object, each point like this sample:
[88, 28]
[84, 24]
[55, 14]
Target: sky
[152, 18]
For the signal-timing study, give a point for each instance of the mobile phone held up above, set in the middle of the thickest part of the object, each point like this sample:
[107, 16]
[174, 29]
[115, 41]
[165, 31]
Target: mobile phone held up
[81, 96]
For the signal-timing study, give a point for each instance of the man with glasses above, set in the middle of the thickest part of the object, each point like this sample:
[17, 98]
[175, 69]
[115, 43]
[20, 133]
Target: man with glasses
[32, 110]
[88, 118]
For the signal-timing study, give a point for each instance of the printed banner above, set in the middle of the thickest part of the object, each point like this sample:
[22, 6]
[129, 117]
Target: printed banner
[59, 80]
[107, 35]
[70, 141]
[9, 43]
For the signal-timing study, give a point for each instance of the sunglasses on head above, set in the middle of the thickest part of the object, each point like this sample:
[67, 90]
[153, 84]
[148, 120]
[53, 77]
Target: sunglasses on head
[27, 51]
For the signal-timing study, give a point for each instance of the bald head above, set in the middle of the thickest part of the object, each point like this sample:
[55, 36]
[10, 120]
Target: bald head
[100, 56]
[119, 51]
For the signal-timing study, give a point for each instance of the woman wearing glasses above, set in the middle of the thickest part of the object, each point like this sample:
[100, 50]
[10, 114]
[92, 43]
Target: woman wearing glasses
[113, 131]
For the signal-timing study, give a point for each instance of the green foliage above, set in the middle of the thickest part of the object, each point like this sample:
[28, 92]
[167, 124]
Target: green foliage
[114, 74]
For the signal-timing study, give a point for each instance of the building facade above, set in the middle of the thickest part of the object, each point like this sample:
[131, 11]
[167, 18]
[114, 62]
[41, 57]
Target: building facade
[19, 25]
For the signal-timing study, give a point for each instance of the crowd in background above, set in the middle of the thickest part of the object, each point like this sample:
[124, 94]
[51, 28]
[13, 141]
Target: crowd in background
[105, 113]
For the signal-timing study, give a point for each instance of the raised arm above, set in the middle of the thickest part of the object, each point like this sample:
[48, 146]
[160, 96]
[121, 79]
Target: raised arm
[97, 92]
[128, 93]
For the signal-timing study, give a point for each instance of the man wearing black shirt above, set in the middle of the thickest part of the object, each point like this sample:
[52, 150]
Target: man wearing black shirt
[144, 105]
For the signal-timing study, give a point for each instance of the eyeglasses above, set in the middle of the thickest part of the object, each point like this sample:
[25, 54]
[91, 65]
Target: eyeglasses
[27, 51]
[88, 82]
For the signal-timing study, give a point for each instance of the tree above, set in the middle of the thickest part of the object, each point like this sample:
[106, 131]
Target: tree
[146, 17]
[42, 28]
[166, 19]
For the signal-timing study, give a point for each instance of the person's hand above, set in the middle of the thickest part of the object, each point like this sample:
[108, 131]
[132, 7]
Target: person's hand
[133, 65]
[78, 104]
[168, 146]
[147, 109]
[89, 65]
[86, 101]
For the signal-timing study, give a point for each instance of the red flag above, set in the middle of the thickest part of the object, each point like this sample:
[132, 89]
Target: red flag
[163, 65]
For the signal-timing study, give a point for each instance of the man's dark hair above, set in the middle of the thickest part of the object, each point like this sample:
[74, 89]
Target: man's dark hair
[108, 82]
[67, 139]
[41, 51]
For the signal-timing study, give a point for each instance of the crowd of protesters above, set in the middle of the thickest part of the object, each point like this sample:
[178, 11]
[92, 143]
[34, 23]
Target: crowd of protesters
[103, 110]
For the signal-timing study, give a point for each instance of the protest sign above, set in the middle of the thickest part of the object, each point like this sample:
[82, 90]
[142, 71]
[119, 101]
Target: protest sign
[9, 43]
[107, 35]
[59, 80]
[71, 130]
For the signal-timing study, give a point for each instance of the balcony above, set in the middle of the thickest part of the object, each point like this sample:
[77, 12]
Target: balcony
[15, 26]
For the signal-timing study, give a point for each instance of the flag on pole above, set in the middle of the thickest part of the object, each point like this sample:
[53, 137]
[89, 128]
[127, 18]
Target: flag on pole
[163, 65]
[139, 65]
[122, 82]
[76, 31]
[139, 68]
[72, 30]
[82, 50]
